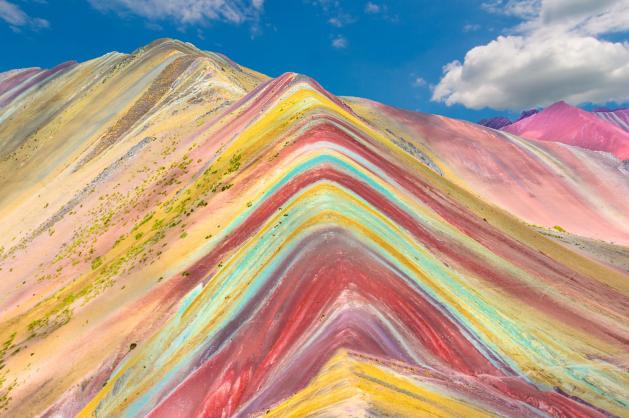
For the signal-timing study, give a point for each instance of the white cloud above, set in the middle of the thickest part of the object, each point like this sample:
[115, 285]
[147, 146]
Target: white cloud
[333, 10]
[419, 82]
[471, 27]
[555, 53]
[336, 11]
[17, 19]
[335, 21]
[187, 12]
[339, 42]
[372, 8]
[524, 9]
[583, 16]
[341, 19]
[12, 14]
[381, 10]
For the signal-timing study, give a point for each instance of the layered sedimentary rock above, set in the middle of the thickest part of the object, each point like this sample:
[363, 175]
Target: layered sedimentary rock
[496, 123]
[619, 117]
[571, 125]
[500, 122]
[182, 236]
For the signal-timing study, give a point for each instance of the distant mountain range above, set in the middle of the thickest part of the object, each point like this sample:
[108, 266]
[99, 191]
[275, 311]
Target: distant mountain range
[499, 122]
[600, 130]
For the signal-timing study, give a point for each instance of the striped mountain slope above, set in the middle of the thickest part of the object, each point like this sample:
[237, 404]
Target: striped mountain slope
[182, 236]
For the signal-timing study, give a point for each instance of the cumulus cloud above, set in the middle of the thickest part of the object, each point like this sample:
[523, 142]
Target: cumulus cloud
[556, 53]
[583, 16]
[186, 12]
[17, 19]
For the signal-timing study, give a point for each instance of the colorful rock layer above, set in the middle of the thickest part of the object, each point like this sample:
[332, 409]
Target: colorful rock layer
[571, 125]
[185, 237]
[619, 117]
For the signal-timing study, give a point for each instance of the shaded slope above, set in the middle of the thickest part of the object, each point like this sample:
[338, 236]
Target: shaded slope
[500, 122]
[496, 122]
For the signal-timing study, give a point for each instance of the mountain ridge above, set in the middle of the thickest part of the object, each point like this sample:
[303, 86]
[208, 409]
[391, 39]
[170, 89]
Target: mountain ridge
[245, 241]
[573, 126]
[585, 132]
[619, 117]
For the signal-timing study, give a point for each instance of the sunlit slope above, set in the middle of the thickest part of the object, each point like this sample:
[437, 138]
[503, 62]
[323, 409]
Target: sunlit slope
[544, 183]
[55, 121]
[266, 248]
[568, 124]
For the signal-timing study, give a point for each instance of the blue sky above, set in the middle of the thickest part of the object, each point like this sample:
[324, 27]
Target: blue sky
[390, 51]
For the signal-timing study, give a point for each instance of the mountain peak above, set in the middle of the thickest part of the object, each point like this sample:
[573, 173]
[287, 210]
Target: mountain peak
[560, 105]
[202, 240]
[497, 122]
[169, 43]
[562, 122]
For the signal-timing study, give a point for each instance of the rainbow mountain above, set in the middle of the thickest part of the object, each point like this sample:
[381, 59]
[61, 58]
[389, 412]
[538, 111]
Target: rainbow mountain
[181, 236]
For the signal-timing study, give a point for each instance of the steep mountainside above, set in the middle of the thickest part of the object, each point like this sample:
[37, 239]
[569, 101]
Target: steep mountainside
[500, 122]
[571, 125]
[542, 182]
[619, 117]
[496, 123]
[182, 236]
